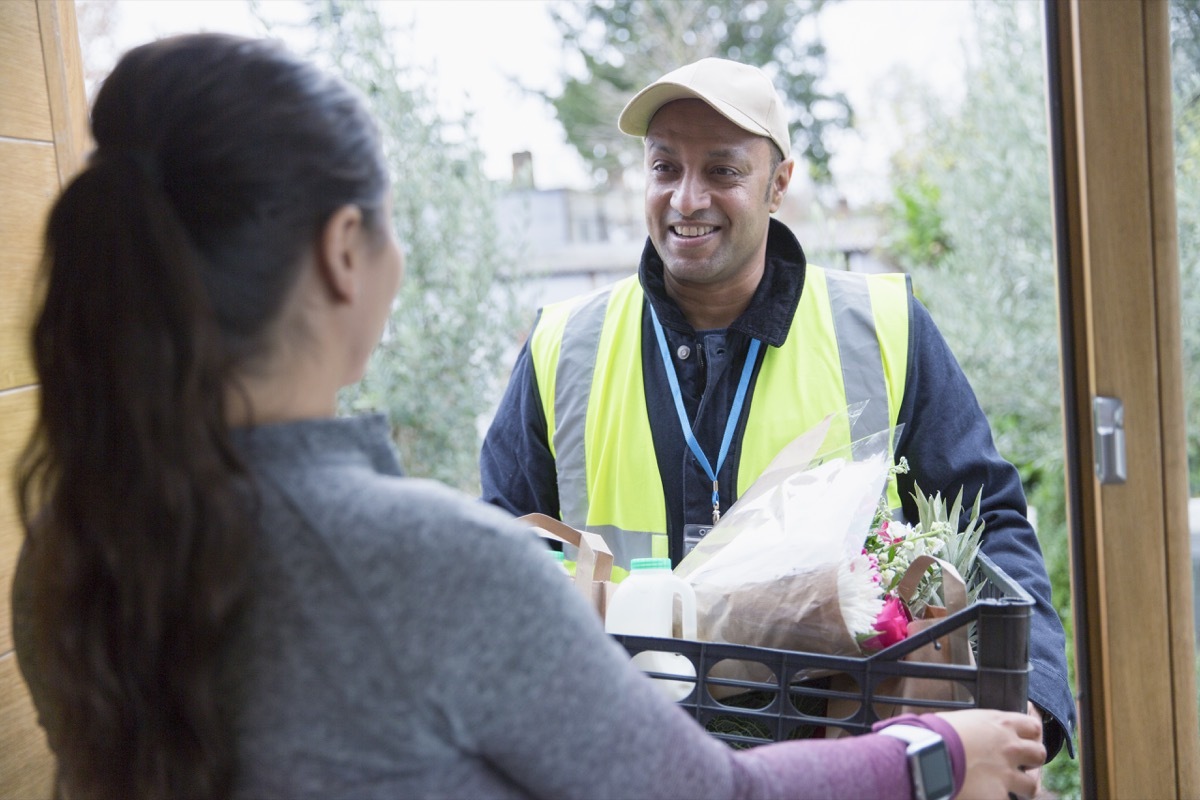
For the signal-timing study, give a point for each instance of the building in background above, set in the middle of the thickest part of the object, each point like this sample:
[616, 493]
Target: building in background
[572, 241]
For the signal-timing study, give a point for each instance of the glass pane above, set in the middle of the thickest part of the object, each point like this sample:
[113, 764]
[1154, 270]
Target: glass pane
[966, 210]
[941, 170]
[1185, 83]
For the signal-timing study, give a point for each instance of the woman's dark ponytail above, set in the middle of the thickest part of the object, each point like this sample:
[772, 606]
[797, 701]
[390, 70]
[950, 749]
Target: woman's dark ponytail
[166, 260]
[139, 564]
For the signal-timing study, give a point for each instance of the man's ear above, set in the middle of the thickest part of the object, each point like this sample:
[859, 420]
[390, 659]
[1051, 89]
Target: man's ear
[779, 183]
[338, 252]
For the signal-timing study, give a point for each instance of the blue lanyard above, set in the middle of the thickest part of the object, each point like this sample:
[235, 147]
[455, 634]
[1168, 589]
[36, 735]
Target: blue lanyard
[730, 424]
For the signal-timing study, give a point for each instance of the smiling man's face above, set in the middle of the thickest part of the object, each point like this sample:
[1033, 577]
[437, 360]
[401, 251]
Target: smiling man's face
[710, 191]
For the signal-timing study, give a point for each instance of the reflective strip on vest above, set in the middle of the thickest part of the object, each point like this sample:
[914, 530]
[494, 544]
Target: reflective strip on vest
[858, 349]
[848, 344]
[576, 370]
[842, 317]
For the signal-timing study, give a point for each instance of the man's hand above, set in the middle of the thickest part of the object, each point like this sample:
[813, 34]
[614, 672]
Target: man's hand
[1035, 772]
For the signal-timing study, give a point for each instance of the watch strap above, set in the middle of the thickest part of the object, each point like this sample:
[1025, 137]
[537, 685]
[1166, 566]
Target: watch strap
[912, 734]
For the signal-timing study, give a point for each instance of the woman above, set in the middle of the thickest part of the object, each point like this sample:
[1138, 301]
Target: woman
[224, 590]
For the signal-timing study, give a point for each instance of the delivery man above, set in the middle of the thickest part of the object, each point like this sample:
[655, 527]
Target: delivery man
[644, 409]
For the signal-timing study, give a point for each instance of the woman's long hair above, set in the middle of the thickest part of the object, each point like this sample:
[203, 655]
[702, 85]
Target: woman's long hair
[167, 260]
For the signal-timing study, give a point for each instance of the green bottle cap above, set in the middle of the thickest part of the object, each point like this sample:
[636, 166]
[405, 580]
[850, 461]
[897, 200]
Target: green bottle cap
[649, 563]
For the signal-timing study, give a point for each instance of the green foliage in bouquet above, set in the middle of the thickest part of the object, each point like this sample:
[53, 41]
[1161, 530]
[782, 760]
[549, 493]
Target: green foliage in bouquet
[895, 545]
[960, 548]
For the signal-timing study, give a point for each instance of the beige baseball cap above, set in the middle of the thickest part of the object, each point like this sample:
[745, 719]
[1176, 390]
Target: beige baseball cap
[741, 93]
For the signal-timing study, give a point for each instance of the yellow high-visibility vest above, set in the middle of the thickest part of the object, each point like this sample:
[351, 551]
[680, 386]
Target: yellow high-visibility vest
[848, 343]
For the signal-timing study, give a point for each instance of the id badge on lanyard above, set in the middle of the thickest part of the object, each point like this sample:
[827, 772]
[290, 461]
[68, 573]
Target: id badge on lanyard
[692, 535]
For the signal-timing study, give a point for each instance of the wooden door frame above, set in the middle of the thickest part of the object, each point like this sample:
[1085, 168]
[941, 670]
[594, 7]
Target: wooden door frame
[1112, 144]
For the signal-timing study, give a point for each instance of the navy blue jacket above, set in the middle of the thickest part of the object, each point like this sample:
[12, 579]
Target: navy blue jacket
[946, 439]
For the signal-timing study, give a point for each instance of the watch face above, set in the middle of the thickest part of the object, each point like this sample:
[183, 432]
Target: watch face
[937, 776]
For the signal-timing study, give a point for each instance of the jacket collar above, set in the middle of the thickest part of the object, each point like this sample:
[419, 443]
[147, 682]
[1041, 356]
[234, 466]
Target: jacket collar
[769, 315]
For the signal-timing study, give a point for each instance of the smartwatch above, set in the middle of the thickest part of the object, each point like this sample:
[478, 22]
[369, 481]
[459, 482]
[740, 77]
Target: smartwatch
[928, 761]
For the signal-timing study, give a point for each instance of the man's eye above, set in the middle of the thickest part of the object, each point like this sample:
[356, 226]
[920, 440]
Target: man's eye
[661, 168]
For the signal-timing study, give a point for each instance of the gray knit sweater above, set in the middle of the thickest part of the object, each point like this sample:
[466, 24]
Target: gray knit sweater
[404, 641]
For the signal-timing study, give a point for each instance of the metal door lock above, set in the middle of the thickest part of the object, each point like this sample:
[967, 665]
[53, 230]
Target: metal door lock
[1108, 415]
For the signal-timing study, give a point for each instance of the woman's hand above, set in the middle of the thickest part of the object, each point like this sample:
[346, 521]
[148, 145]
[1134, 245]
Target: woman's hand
[1004, 752]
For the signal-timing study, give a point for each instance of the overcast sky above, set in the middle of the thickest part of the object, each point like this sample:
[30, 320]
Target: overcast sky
[475, 46]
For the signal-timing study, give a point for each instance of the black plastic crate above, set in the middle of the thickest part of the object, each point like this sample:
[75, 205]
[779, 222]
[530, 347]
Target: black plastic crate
[792, 703]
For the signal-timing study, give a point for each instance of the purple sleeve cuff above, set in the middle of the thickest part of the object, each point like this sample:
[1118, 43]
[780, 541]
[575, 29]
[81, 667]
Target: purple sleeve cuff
[958, 759]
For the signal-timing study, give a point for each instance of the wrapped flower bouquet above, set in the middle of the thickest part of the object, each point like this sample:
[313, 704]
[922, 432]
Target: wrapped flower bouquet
[810, 558]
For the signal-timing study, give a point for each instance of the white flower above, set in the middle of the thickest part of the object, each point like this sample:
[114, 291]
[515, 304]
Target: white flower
[859, 594]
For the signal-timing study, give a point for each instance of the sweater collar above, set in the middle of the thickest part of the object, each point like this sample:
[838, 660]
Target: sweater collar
[769, 315]
[364, 439]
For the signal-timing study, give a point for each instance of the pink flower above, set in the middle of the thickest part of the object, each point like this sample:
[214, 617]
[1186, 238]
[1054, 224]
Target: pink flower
[891, 625]
[887, 537]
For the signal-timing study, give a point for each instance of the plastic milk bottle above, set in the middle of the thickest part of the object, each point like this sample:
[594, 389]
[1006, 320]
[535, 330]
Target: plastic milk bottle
[643, 605]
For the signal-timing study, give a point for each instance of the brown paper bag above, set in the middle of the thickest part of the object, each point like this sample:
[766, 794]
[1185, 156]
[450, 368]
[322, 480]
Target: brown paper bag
[796, 612]
[799, 612]
[953, 648]
[593, 565]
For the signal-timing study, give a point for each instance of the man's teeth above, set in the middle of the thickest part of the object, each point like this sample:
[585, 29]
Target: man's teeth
[693, 230]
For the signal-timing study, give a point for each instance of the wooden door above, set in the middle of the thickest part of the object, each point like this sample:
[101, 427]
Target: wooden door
[43, 132]
[1111, 121]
